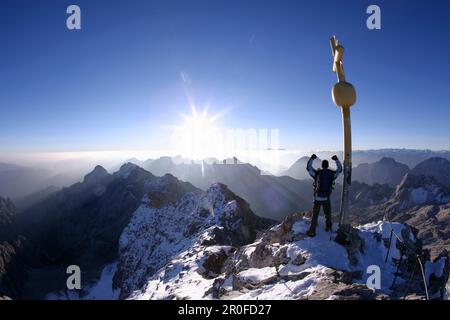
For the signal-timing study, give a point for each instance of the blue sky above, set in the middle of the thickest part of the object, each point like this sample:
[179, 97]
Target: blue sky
[116, 83]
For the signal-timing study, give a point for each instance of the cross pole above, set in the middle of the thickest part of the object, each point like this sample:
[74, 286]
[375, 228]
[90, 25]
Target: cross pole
[344, 96]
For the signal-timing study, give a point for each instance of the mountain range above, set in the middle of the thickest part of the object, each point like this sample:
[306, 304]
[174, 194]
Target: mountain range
[81, 224]
[212, 246]
[135, 228]
[33, 180]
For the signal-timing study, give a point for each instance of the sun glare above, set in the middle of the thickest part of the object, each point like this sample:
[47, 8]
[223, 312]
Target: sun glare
[198, 136]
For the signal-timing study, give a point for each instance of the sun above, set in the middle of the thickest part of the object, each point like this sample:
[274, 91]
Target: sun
[199, 136]
[198, 123]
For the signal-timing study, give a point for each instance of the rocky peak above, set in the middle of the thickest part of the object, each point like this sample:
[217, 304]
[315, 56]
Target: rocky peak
[387, 161]
[156, 234]
[386, 170]
[165, 181]
[419, 190]
[434, 161]
[438, 168]
[96, 176]
[133, 173]
[126, 169]
[166, 190]
[298, 169]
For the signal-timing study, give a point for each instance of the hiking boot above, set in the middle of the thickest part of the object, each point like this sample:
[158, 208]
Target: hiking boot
[311, 233]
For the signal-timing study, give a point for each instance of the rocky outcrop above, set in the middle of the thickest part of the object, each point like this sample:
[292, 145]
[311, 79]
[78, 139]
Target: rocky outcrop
[197, 232]
[350, 239]
[437, 275]
[12, 268]
[12, 262]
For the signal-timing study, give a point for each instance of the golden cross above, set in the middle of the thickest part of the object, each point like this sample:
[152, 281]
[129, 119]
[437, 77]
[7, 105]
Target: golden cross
[338, 54]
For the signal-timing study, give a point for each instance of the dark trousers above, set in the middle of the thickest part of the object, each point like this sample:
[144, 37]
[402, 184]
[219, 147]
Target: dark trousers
[316, 210]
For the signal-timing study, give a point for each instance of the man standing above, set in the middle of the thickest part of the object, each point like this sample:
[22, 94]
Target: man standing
[323, 186]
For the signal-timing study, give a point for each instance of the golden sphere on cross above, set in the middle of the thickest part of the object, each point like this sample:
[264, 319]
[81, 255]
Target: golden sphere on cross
[344, 94]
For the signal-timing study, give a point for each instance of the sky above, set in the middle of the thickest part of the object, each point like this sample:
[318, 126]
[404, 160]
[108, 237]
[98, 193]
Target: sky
[124, 80]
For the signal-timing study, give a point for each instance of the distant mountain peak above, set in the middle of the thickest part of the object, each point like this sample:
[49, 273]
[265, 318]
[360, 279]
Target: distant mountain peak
[387, 160]
[165, 159]
[162, 182]
[439, 160]
[130, 168]
[386, 170]
[298, 169]
[96, 176]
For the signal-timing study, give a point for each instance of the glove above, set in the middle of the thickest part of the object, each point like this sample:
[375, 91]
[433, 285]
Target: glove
[334, 157]
[313, 156]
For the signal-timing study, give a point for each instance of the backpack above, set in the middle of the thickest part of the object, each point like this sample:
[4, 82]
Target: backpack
[324, 183]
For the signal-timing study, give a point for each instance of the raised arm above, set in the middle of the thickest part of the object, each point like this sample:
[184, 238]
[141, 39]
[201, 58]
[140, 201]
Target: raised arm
[312, 172]
[338, 166]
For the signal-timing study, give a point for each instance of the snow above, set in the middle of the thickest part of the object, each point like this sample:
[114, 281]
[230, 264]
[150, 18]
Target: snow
[319, 250]
[183, 276]
[375, 252]
[153, 236]
[420, 191]
[255, 276]
[158, 248]
[322, 255]
[228, 284]
[287, 290]
[163, 252]
[100, 289]
[217, 249]
[428, 193]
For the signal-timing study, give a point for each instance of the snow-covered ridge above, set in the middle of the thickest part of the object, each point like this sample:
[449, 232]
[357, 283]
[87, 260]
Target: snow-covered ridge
[155, 235]
[288, 265]
[203, 247]
[206, 245]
